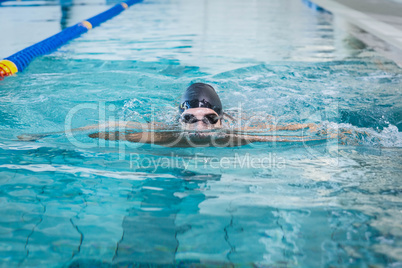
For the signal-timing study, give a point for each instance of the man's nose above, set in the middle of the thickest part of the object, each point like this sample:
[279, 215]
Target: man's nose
[200, 125]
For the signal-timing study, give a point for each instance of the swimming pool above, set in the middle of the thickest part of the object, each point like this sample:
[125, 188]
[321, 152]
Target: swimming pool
[82, 202]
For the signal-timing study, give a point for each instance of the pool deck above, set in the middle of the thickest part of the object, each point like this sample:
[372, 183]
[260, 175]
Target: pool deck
[380, 18]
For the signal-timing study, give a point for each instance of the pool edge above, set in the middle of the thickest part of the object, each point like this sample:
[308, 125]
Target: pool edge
[382, 30]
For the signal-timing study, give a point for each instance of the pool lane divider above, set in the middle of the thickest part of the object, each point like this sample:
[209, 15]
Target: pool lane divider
[314, 6]
[20, 60]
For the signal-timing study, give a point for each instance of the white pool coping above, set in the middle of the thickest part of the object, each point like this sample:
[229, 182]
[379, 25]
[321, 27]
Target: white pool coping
[370, 24]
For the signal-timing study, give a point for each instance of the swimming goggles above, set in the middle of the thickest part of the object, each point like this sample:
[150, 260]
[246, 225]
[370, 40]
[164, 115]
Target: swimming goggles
[199, 103]
[207, 119]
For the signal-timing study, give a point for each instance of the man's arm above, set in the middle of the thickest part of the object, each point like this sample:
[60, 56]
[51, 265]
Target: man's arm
[280, 138]
[168, 139]
[121, 125]
[262, 127]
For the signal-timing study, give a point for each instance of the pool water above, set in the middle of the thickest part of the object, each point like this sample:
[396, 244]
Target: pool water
[79, 202]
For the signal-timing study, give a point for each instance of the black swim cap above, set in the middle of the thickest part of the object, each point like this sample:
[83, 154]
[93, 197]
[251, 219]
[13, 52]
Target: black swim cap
[201, 95]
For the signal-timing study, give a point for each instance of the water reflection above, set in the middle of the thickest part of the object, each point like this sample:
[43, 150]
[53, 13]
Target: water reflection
[66, 9]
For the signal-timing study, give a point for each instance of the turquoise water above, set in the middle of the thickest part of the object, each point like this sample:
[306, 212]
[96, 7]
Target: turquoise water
[80, 202]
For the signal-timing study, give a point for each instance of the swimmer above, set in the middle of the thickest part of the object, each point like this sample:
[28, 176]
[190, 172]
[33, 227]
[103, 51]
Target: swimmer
[200, 120]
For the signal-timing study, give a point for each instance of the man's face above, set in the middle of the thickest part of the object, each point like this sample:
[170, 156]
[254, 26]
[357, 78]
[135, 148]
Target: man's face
[200, 119]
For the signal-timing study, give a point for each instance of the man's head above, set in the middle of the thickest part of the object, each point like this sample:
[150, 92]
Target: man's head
[200, 108]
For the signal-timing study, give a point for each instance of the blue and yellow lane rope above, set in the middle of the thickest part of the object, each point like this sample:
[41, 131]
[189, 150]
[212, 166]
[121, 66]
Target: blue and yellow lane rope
[20, 60]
